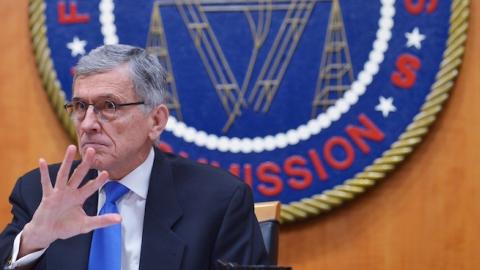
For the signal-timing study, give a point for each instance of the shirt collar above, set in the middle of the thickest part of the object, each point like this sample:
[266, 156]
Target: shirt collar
[138, 180]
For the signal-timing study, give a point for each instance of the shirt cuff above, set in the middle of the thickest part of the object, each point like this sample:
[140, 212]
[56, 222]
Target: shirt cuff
[25, 260]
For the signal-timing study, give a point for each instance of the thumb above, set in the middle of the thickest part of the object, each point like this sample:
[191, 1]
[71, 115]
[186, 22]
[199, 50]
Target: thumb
[101, 221]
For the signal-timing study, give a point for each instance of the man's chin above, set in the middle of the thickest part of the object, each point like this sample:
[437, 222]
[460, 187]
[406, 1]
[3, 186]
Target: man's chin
[99, 165]
[100, 161]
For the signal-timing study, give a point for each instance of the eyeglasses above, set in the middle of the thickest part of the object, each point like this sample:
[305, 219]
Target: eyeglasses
[106, 109]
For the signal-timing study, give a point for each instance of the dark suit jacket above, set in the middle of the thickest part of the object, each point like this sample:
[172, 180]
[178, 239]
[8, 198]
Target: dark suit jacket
[194, 215]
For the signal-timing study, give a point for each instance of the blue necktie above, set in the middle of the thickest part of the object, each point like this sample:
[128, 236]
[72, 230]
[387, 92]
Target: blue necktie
[106, 247]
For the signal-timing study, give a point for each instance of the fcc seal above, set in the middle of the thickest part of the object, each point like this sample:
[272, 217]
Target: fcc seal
[310, 102]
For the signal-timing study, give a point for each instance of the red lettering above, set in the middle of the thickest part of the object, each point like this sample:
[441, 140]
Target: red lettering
[72, 16]
[248, 178]
[247, 169]
[405, 76]
[202, 161]
[183, 154]
[268, 172]
[370, 131]
[416, 7]
[165, 147]
[295, 166]
[234, 169]
[318, 165]
[347, 148]
[212, 163]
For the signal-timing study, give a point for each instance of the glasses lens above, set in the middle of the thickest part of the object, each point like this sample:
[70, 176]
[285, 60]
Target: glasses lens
[78, 109]
[79, 106]
[69, 108]
[107, 108]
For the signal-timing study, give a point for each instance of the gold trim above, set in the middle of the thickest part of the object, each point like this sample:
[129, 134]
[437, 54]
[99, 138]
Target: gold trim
[47, 73]
[329, 199]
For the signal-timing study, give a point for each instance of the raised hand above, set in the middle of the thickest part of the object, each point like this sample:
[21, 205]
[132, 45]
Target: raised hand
[60, 214]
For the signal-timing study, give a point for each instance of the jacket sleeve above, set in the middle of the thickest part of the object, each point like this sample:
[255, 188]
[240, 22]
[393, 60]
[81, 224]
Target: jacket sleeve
[21, 215]
[239, 239]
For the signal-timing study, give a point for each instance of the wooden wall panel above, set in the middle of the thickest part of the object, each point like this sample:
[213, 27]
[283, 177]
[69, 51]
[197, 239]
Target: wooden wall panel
[424, 216]
[29, 128]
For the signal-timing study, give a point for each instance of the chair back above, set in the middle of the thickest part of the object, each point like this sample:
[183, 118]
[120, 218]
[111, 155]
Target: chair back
[268, 214]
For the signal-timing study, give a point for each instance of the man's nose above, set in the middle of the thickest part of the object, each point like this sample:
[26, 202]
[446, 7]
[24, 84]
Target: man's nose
[90, 122]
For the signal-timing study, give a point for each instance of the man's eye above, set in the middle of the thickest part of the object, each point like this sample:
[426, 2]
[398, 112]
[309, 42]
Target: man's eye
[80, 105]
[109, 105]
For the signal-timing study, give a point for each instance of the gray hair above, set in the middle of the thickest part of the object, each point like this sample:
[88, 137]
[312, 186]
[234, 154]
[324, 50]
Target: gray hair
[147, 74]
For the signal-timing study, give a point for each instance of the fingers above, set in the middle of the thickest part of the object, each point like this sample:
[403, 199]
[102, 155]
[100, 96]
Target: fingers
[96, 222]
[82, 168]
[45, 178]
[62, 176]
[89, 188]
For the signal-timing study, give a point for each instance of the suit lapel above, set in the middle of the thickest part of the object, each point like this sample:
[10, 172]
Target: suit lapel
[73, 253]
[161, 247]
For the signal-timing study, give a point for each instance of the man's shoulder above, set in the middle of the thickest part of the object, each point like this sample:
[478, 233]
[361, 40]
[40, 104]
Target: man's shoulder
[205, 190]
[202, 175]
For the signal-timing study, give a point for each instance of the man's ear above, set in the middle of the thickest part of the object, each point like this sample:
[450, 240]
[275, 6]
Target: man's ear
[159, 117]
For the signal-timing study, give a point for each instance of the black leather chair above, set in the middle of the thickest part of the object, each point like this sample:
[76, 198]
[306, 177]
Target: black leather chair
[268, 214]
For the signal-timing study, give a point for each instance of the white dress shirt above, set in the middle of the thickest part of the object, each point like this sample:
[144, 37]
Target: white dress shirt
[132, 209]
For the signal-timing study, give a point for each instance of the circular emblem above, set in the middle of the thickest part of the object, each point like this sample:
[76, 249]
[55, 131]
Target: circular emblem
[310, 102]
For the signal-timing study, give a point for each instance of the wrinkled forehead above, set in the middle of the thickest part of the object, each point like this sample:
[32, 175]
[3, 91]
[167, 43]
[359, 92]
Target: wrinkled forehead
[115, 84]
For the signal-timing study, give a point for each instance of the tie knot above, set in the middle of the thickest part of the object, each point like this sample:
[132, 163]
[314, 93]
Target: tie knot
[113, 191]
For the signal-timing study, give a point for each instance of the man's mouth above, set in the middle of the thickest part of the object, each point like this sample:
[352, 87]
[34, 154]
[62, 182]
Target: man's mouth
[92, 144]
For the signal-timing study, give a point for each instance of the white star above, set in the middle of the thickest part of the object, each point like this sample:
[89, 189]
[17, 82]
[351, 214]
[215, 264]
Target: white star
[415, 38]
[385, 106]
[77, 46]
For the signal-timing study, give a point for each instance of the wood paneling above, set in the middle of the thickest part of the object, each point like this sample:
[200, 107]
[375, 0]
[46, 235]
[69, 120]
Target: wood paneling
[29, 128]
[424, 216]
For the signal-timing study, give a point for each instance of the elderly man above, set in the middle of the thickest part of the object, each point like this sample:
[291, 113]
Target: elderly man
[155, 210]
